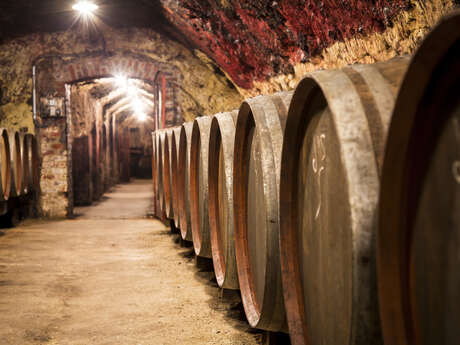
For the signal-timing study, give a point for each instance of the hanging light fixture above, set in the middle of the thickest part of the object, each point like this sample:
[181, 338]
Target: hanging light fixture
[85, 8]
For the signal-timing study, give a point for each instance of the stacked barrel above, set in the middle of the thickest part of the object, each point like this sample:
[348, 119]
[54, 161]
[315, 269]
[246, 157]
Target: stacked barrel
[334, 209]
[19, 182]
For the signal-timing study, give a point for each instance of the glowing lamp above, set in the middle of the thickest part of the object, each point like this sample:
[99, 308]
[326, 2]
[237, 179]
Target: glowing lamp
[85, 7]
[141, 117]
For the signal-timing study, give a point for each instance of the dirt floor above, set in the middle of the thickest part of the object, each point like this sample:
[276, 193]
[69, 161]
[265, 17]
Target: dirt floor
[111, 276]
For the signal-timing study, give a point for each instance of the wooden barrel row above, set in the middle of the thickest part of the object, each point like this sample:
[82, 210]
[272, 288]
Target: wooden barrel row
[19, 164]
[335, 208]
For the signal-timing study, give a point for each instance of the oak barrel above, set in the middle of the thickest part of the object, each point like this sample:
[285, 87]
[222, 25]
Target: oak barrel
[167, 173]
[5, 165]
[160, 172]
[257, 156]
[154, 174]
[33, 163]
[175, 171]
[199, 186]
[183, 181]
[16, 164]
[332, 157]
[220, 179]
[25, 162]
[419, 214]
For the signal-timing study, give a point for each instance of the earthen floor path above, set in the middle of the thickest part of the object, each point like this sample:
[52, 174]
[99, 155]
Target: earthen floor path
[112, 277]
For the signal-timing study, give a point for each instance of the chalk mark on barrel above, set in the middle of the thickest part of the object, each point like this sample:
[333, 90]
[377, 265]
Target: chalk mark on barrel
[319, 150]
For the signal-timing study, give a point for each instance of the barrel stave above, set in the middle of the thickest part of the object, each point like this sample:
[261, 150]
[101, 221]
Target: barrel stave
[221, 147]
[259, 133]
[184, 180]
[199, 186]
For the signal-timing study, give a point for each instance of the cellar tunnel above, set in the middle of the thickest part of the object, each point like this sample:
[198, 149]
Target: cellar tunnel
[229, 172]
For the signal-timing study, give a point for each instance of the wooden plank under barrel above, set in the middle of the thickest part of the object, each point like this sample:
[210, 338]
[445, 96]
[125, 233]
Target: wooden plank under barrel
[220, 178]
[184, 179]
[257, 156]
[419, 214]
[5, 165]
[199, 186]
[332, 157]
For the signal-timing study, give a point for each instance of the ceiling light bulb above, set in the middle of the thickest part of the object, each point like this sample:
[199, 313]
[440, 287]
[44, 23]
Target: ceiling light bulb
[141, 117]
[137, 105]
[121, 81]
[85, 7]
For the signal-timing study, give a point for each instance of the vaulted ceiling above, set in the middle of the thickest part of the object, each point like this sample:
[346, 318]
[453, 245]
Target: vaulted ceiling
[249, 40]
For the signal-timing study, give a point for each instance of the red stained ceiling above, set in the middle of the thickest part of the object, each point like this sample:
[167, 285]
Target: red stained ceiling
[253, 40]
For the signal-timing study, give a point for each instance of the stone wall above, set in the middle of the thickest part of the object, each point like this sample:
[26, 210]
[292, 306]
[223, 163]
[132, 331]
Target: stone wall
[54, 201]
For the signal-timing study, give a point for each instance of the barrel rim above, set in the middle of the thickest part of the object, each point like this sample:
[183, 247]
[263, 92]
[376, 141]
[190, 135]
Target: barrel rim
[175, 170]
[25, 155]
[362, 179]
[200, 232]
[396, 298]
[184, 207]
[167, 187]
[296, 128]
[35, 162]
[16, 169]
[260, 314]
[224, 263]
[5, 189]
[160, 172]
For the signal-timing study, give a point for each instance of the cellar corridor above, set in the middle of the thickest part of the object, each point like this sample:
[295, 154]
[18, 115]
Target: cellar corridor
[111, 276]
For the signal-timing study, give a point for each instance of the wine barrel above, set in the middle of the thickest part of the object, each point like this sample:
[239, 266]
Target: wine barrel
[199, 186]
[156, 199]
[174, 170]
[33, 163]
[419, 212]
[16, 165]
[184, 179]
[220, 178]
[5, 165]
[154, 172]
[160, 173]
[257, 156]
[332, 156]
[167, 173]
[25, 161]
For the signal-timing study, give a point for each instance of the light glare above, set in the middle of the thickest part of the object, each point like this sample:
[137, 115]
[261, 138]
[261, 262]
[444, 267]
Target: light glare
[85, 7]
[137, 106]
[141, 117]
[121, 81]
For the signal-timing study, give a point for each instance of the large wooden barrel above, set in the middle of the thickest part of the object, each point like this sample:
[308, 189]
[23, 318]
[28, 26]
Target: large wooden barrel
[167, 173]
[25, 157]
[220, 178]
[419, 214]
[16, 165]
[257, 156]
[332, 156]
[154, 173]
[5, 165]
[184, 179]
[175, 171]
[33, 163]
[160, 171]
[199, 186]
